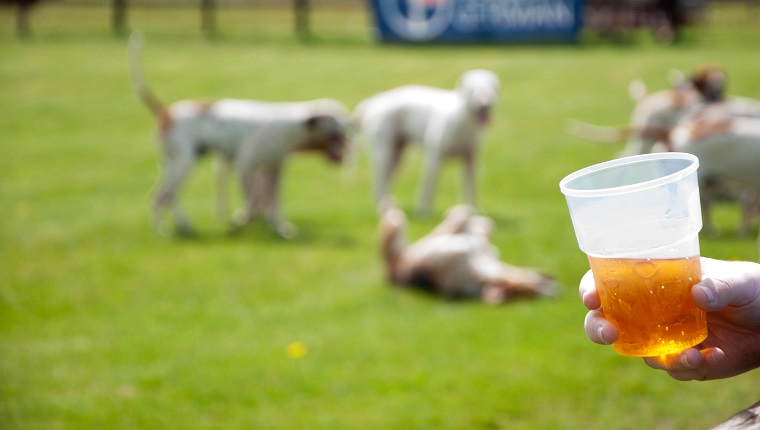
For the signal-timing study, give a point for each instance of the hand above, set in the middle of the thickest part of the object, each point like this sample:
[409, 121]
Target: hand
[730, 293]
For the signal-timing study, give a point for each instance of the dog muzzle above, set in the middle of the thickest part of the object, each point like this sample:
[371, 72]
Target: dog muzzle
[334, 150]
[483, 115]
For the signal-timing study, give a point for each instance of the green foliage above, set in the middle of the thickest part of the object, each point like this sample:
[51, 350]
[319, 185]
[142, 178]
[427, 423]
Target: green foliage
[104, 324]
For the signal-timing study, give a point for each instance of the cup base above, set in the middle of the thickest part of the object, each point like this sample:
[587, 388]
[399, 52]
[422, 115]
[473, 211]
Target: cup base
[665, 348]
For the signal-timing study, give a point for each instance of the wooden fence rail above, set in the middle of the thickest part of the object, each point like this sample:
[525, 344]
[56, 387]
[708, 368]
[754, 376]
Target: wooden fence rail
[120, 16]
[301, 10]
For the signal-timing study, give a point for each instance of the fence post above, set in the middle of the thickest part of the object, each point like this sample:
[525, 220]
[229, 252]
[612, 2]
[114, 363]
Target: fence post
[22, 17]
[208, 23]
[119, 16]
[301, 11]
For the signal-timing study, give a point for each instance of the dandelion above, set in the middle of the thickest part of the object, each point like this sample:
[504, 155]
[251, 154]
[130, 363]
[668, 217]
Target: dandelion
[297, 350]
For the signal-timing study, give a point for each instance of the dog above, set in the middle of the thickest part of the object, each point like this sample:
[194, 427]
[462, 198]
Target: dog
[456, 259]
[446, 123]
[253, 137]
[656, 113]
[728, 148]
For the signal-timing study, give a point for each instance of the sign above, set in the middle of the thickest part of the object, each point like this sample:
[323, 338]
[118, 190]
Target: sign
[421, 21]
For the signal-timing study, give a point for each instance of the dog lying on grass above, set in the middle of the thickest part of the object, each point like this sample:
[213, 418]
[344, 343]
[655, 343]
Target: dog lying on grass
[447, 124]
[253, 137]
[456, 259]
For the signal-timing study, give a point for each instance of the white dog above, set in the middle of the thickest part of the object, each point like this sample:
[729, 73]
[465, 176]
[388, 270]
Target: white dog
[456, 259]
[253, 137]
[446, 123]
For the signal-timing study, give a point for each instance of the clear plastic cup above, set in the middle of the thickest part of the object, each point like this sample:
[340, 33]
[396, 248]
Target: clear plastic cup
[638, 221]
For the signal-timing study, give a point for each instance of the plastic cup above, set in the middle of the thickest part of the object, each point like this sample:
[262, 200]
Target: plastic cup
[638, 221]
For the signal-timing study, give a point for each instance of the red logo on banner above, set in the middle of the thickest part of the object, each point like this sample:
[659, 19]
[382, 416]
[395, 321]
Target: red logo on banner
[429, 3]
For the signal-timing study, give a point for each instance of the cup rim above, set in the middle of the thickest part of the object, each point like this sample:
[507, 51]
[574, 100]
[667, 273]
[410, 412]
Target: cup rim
[563, 184]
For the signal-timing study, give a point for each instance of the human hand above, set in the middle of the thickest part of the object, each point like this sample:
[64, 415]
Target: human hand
[730, 293]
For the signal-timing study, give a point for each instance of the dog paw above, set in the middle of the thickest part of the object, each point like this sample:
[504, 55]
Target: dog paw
[286, 230]
[162, 229]
[494, 294]
[240, 218]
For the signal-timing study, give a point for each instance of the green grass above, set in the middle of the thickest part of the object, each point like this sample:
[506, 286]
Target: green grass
[106, 325]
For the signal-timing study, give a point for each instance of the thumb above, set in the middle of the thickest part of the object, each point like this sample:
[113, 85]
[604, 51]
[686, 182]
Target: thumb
[735, 283]
[712, 294]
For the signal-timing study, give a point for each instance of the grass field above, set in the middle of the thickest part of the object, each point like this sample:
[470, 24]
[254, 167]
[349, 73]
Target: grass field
[106, 325]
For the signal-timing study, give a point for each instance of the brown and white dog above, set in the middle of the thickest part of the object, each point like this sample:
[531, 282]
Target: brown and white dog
[656, 113]
[446, 123]
[456, 259]
[728, 147]
[253, 137]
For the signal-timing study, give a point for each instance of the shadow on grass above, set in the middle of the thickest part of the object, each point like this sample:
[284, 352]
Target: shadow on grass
[309, 232]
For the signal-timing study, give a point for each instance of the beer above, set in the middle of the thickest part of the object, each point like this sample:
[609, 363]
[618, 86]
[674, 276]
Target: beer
[649, 300]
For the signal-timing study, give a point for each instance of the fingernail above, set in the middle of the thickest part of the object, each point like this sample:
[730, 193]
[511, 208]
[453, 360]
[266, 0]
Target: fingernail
[600, 333]
[716, 357]
[685, 361]
[583, 297]
[709, 293]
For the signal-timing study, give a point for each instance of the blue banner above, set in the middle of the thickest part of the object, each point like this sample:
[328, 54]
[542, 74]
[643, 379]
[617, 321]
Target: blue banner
[453, 21]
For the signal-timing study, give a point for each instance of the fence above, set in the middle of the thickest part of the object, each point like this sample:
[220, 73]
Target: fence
[208, 9]
[301, 11]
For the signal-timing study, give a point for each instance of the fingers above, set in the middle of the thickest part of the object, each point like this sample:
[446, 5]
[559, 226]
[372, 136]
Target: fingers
[598, 329]
[689, 364]
[587, 291]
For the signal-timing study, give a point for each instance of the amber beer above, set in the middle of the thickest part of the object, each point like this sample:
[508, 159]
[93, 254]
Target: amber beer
[650, 302]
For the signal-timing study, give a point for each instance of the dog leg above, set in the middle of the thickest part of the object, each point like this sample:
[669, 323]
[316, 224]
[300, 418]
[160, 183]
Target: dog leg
[499, 291]
[392, 235]
[502, 282]
[248, 183]
[429, 178]
[387, 156]
[283, 228]
[750, 204]
[707, 192]
[221, 170]
[455, 221]
[176, 172]
[468, 178]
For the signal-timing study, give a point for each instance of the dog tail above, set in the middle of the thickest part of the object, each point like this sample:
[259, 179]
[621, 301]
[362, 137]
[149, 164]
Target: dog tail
[597, 133]
[137, 77]
[392, 237]
[351, 164]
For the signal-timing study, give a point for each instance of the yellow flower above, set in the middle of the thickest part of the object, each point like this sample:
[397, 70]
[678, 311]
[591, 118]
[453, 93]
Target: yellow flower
[297, 350]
